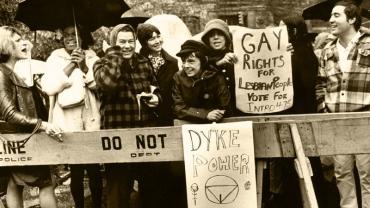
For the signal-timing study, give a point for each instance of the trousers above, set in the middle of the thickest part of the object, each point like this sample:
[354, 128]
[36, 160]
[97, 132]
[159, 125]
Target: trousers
[343, 170]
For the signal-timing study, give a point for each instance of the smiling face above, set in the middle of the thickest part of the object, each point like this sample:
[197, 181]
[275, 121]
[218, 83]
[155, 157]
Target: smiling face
[69, 39]
[191, 65]
[339, 23]
[126, 40]
[155, 43]
[217, 40]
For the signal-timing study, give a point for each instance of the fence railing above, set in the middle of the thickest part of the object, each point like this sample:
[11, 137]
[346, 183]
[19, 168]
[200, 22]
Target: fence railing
[319, 134]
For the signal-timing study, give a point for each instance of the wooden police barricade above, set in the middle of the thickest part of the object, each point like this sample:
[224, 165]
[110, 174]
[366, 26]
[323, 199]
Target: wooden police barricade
[320, 134]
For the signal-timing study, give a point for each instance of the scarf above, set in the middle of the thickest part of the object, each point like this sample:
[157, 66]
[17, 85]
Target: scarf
[157, 62]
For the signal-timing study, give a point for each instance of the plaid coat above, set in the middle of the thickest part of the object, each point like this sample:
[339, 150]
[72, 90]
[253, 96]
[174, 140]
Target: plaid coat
[345, 91]
[118, 82]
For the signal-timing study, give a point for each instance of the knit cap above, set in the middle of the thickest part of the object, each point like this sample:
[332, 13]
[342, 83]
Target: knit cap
[145, 32]
[216, 24]
[118, 28]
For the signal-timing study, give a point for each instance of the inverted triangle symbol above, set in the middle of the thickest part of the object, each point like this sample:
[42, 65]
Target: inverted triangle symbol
[222, 194]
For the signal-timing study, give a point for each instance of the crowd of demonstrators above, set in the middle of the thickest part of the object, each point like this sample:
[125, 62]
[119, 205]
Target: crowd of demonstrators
[69, 82]
[22, 105]
[342, 87]
[125, 89]
[129, 97]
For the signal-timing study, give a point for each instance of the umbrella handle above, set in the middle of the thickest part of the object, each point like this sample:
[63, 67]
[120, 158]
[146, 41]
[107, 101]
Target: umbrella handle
[75, 25]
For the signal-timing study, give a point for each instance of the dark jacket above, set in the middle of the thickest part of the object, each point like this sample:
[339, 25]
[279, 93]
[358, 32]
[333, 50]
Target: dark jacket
[227, 71]
[194, 99]
[17, 100]
[304, 68]
[165, 80]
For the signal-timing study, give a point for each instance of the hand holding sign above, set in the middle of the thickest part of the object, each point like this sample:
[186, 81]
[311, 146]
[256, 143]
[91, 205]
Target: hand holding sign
[263, 76]
[229, 58]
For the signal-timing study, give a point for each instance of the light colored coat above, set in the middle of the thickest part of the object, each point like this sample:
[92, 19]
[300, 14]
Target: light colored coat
[54, 81]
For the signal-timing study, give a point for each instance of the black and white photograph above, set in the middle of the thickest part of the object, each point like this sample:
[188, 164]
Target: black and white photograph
[184, 104]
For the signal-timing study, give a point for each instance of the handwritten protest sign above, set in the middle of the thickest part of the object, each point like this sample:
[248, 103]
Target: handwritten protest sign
[263, 74]
[219, 163]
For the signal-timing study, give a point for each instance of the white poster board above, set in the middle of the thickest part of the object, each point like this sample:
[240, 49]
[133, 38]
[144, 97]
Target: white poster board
[219, 164]
[263, 73]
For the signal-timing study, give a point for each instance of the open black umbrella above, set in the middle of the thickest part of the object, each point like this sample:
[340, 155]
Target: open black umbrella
[134, 17]
[53, 14]
[322, 10]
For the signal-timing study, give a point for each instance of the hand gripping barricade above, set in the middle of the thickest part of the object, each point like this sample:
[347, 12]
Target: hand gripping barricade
[289, 136]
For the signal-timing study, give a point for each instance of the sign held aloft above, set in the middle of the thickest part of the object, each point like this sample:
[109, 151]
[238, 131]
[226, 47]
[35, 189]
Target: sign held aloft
[263, 74]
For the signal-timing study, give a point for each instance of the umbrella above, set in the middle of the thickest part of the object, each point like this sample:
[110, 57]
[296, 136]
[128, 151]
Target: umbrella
[54, 14]
[322, 10]
[134, 17]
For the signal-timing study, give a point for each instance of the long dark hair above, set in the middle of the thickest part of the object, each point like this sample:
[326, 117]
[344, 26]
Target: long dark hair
[304, 65]
[297, 29]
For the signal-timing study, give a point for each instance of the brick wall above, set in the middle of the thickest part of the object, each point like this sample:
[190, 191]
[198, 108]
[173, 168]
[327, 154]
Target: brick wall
[201, 11]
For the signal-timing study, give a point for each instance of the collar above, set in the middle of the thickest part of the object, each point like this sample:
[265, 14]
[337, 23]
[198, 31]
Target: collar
[12, 76]
[352, 42]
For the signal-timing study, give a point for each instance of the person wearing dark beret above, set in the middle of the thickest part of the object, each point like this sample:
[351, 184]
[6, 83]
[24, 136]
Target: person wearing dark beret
[200, 91]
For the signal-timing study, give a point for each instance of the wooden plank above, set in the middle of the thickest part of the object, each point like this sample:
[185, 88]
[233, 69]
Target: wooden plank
[343, 135]
[309, 190]
[296, 117]
[260, 164]
[106, 146]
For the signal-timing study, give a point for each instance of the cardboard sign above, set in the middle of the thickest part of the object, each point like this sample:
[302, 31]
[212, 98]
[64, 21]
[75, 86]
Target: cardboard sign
[219, 164]
[263, 73]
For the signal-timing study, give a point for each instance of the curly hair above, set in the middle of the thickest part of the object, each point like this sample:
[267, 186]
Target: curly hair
[6, 43]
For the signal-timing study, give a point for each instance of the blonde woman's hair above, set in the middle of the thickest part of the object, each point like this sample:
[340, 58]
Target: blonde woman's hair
[6, 44]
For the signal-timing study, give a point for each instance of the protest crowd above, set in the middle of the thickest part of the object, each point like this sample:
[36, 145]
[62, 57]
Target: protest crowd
[136, 82]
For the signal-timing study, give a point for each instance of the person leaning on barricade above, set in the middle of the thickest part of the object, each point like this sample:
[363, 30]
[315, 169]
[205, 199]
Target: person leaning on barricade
[69, 82]
[342, 87]
[22, 105]
[200, 92]
[129, 96]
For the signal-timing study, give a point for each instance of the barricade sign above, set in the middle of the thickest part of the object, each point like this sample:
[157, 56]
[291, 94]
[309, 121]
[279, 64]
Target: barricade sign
[104, 146]
[219, 164]
[263, 73]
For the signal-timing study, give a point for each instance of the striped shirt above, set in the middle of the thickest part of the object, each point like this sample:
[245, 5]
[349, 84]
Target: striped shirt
[347, 89]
